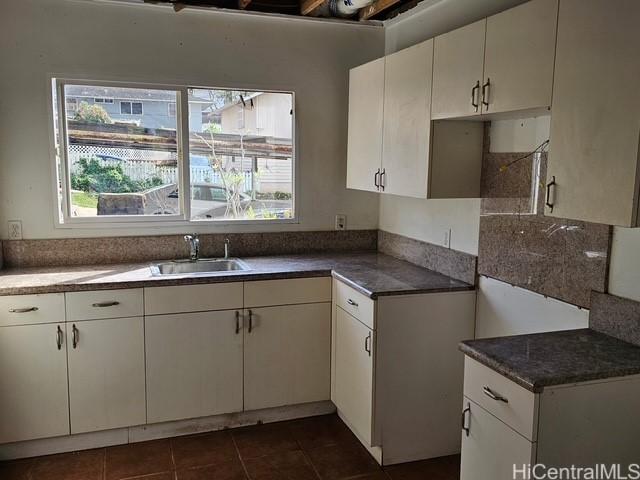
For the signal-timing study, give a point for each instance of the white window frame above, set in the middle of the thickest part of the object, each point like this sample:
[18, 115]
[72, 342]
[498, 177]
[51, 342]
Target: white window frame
[104, 100]
[59, 153]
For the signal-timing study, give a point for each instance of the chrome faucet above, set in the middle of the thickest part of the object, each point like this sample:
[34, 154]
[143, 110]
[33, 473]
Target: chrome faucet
[226, 248]
[194, 246]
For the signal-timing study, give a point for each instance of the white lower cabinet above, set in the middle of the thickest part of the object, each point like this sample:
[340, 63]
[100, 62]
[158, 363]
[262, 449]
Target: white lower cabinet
[194, 364]
[503, 424]
[396, 372]
[106, 373]
[287, 355]
[353, 397]
[33, 382]
[490, 448]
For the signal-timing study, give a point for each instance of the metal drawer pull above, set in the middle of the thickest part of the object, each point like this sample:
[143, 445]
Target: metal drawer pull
[59, 337]
[237, 322]
[548, 201]
[351, 302]
[466, 427]
[75, 335]
[475, 89]
[375, 179]
[23, 310]
[486, 88]
[367, 344]
[495, 396]
[250, 321]
[105, 304]
[382, 177]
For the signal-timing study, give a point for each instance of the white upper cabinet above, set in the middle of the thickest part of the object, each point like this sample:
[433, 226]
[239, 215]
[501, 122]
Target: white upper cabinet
[595, 121]
[364, 147]
[518, 59]
[458, 62]
[407, 124]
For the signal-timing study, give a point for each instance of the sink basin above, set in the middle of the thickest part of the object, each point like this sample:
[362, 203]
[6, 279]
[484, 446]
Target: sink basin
[199, 267]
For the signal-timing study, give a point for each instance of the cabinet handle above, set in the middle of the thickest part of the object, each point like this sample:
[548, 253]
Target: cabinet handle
[493, 395]
[375, 179]
[351, 302]
[23, 310]
[548, 201]
[382, 176]
[75, 335]
[105, 304]
[367, 344]
[237, 322]
[486, 90]
[250, 321]
[59, 337]
[466, 427]
[474, 91]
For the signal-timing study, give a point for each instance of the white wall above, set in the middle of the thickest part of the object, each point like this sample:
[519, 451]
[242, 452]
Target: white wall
[154, 44]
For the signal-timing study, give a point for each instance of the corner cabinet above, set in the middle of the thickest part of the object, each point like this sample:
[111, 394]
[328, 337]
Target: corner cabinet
[593, 170]
[393, 146]
[396, 374]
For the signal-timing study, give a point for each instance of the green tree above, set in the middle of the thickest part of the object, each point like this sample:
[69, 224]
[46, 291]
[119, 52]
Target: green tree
[95, 178]
[92, 114]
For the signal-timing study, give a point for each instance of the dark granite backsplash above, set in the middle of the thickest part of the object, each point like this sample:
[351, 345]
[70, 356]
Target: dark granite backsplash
[561, 258]
[455, 264]
[111, 250]
[615, 316]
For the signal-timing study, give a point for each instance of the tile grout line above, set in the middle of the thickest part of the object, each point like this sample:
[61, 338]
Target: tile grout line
[235, 445]
[305, 455]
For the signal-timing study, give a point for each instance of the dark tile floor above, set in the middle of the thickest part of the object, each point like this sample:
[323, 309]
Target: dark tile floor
[318, 448]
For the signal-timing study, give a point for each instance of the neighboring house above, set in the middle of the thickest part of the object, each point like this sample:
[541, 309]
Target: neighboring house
[264, 113]
[152, 109]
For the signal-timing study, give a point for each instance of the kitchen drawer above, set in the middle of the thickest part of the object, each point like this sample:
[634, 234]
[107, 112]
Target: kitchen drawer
[31, 309]
[519, 409]
[355, 303]
[266, 293]
[104, 304]
[193, 298]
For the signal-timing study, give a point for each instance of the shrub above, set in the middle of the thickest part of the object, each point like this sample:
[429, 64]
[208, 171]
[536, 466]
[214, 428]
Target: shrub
[93, 177]
[92, 114]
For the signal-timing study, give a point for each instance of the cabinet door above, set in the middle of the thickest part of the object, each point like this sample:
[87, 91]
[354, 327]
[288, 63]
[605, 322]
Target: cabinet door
[194, 365]
[354, 354]
[364, 147]
[106, 374]
[491, 449]
[407, 122]
[595, 122]
[519, 55]
[287, 355]
[458, 59]
[33, 382]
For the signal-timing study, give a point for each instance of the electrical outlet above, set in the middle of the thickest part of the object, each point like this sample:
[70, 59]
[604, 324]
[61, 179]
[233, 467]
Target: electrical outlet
[15, 230]
[447, 238]
[341, 222]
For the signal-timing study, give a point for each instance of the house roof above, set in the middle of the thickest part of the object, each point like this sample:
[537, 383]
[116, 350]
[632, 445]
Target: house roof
[123, 93]
[237, 102]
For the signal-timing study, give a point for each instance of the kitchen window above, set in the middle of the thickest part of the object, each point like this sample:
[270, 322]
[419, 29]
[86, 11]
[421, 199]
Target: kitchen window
[114, 169]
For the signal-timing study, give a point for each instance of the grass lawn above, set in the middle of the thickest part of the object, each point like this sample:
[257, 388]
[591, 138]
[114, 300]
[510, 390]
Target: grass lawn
[84, 199]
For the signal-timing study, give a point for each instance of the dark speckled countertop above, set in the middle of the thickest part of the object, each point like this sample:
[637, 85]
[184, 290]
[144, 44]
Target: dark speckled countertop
[541, 360]
[373, 274]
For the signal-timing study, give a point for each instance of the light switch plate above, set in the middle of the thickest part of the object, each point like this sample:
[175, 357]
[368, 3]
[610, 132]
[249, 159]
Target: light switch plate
[341, 222]
[15, 229]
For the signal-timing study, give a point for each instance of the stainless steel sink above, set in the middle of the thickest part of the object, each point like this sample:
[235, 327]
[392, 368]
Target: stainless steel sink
[202, 267]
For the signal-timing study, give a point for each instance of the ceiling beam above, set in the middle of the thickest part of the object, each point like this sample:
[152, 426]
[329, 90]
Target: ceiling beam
[308, 6]
[375, 8]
